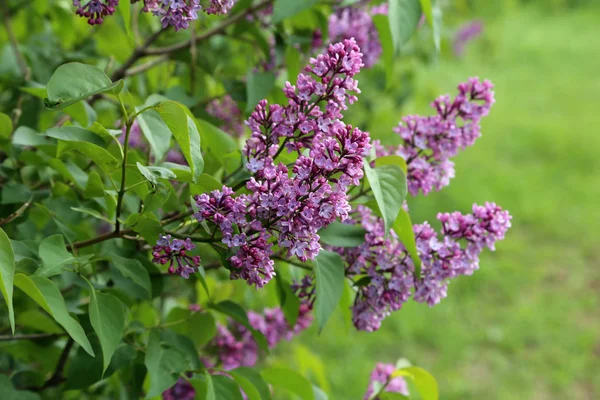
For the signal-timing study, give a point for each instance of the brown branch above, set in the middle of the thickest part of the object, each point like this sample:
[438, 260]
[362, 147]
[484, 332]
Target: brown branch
[31, 336]
[137, 54]
[99, 239]
[57, 377]
[16, 214]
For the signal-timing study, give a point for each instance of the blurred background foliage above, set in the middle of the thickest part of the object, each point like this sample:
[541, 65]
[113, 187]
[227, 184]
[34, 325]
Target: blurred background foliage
[526, 326]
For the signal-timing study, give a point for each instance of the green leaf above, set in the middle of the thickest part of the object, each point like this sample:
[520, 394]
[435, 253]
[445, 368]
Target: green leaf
[392, 160]
[426, 384]
[404, 229]
[404, 16]
[319, 394]
[259, 85]
[387, 46]
[37, 320]
[205, 184]
[288, 8]
[7, 275]
[155, 131]
[186, 134]
[433, 14]
[215, 140]
[292, 62]
[147, 173]
[134, 270]
[290, 303]
[107, 317]
[329, 271]
[210, 388]
[73, 82]
[388, 183]
[25, 136]
[92, 212]
[290, 380]
[41, 290]
[125, 12]
[225, 388]
[6, 126]
[342, 235]
[75, 134]
[164, 364]
[202, 328]
[94, 186]
[54, 255]
[252, 383]
[10, 393]
[146, 225]
[238, 314]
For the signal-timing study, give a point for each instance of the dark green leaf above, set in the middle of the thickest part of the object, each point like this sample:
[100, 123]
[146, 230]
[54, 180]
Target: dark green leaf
[225, 388]
[7, 275]
[288, 8]
[46, 295]
[73, 82]
[210, 388]
[290, 303]
[134, 270]
[252, 383]
[290, 380]
[54, 255]
[25, 136]
[342, 235]
[388, 183]
[164, 364]
[38, 320]
[404, 16]
[146, 225]
[107, 316]
[329, 271]
[259, 85]
[94, 186]
[91, 212]
[156, 132]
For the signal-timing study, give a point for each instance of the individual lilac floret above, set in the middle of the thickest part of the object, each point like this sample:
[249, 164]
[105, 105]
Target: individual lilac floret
[175, 13]
[226, 110]
[95, 10]
[182, 390]
[389, 271]
[430, 142]
[234, 345]
[466, 34]
[174, 254]
[382, 376]
[289, 207]
[220, 7]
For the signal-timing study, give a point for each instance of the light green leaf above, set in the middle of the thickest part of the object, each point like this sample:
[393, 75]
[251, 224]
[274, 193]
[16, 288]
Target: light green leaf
[134, 270]
[107, 317]
[259, 85]
[73, 82]
[93, 213]
[210, 388]
[164, 364]
[215, 140]
[290, 380]
[319, 394]
[426, 384]
[433, 14]
[225, 388]
[38, 320]
[41, 290]
[329, 271]
[252, 383]
[388, 183]
[288, 8]
[404, 229]
[125, 12]
[342, 235]
[404, 16]
[392, 160]
[25, 136]
[292, 62]
[155, 131]
[290, 303]
[186, 134]
[6, 126]
[205, 184]
[75, 134]
[54, 255]
[7, 275]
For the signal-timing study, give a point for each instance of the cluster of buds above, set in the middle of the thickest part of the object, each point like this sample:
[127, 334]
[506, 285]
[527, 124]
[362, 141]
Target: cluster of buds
[174, 253]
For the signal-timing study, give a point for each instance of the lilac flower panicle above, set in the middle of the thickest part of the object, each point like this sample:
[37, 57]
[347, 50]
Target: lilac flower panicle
[175, 13]
[465, 34]
[430, 142]
[382, 374]
[95, 10]
[182, 390]
[385, 261]
[226, 110]
[234, 345]
[288, 205]
[219, 7]
[174, 253]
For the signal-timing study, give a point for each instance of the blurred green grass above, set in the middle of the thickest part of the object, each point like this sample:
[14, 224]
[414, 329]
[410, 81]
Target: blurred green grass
[527, 324]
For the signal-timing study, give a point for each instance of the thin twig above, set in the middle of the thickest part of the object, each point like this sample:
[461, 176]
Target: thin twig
[29, 336]
[16, 214]
[146, 66]
[57, 377]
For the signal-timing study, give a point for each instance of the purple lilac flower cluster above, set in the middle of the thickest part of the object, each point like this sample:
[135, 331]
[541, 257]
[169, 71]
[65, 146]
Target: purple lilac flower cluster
[95, 10]
[382, 375]
[182, 390]
[234, 346]
[357, 22]
[465, 34]
[173, 252]
[390, 270]
[430, 142]
[219, 7]
[226, 110]
[291, 209]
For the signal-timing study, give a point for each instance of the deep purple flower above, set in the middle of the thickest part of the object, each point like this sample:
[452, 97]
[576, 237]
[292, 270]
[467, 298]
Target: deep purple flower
[95, 10]
[174, 253]
[382, 375]
[182, 390]
[430, 142]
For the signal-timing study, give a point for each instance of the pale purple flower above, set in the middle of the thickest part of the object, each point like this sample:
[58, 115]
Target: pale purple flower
[382, 375]
[174, 253]
[219, 7]
[465, 34]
